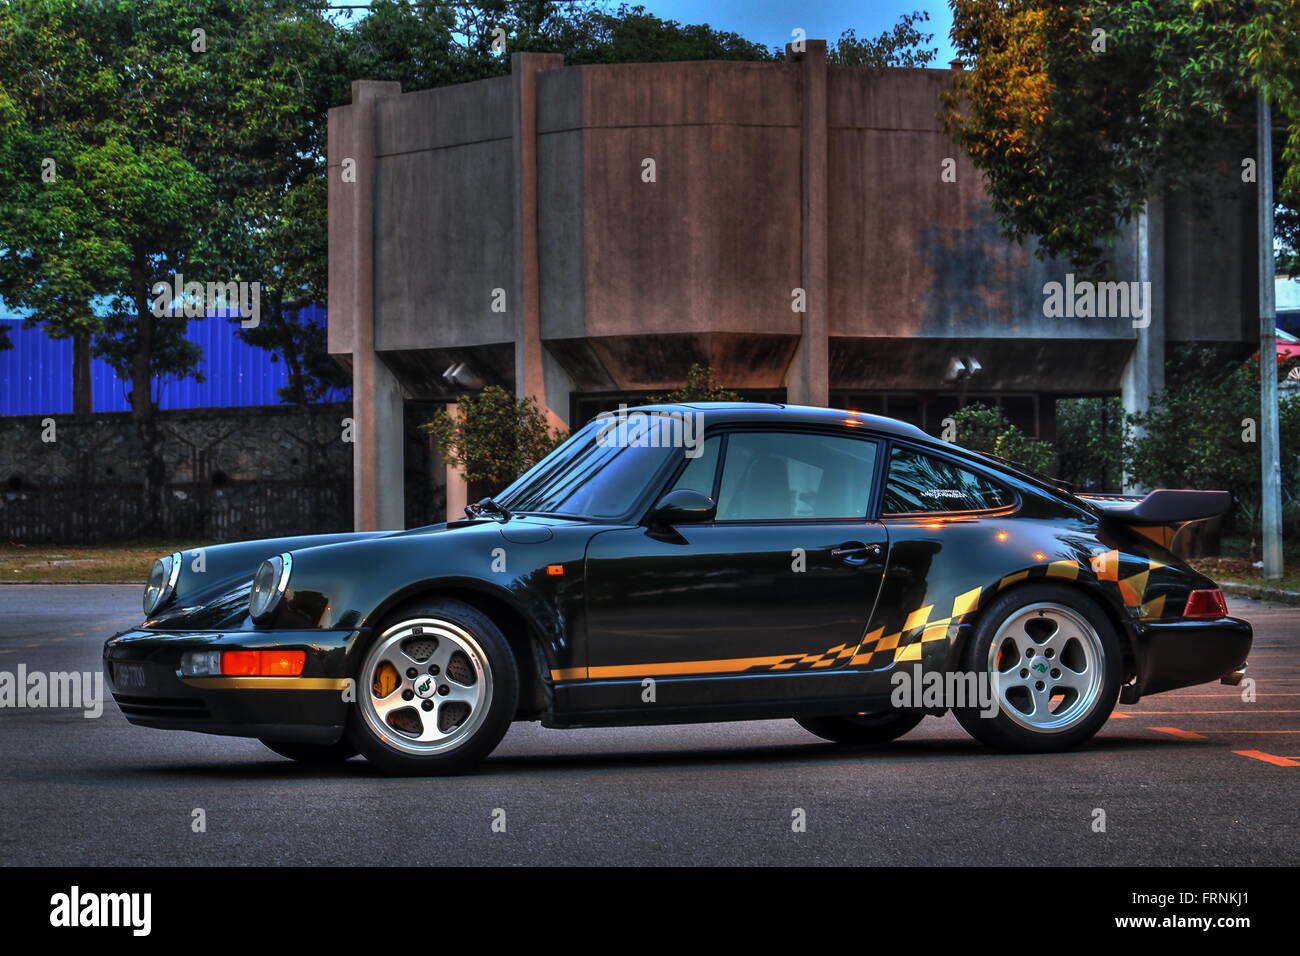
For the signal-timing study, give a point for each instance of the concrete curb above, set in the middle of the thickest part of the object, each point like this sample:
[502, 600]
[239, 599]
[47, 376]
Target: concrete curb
[1260, 592]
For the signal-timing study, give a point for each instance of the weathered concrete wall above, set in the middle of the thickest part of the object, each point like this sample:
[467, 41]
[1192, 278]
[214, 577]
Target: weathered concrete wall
[912, 254]
[1211, 261]
[711, 249]
[443, 217]
[767, 177]
[713, 243]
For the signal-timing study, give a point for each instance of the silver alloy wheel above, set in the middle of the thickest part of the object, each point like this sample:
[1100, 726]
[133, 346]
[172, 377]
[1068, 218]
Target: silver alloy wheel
[443, 687]
[1046, 663]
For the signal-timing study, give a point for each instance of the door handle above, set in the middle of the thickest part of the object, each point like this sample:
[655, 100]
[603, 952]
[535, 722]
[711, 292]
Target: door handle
[855, 552]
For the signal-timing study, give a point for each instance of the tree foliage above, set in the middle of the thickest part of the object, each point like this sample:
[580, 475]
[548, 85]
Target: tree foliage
[985, 429]
[1203, 431]
[493, 436]
[905, 44]
[1075, 112]
[1091, 435]
[701, 386]
[143, 141]
[428, 45]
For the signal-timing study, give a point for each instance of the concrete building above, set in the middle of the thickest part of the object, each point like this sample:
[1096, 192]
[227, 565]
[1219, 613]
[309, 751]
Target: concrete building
[583, 234]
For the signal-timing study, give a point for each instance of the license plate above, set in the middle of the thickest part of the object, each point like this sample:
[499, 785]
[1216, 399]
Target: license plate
[130, 677]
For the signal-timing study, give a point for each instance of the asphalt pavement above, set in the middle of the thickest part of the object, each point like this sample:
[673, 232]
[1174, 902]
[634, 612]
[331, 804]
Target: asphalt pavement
[1196, 776]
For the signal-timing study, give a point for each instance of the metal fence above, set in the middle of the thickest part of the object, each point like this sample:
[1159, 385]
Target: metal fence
[235, 511]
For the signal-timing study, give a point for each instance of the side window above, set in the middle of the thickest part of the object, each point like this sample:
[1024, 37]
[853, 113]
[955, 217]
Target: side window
[925, 483]
[788, 475]
[700, 470]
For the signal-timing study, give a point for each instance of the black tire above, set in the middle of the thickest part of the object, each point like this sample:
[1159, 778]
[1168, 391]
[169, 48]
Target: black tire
[314, 753]
[862, 730]
[496, 671]
[1065, 609]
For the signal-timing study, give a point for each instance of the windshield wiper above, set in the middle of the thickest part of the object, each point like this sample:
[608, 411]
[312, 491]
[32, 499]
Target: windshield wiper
[488, 508]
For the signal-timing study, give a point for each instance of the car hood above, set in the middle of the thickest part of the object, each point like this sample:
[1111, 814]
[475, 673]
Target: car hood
[214, 584]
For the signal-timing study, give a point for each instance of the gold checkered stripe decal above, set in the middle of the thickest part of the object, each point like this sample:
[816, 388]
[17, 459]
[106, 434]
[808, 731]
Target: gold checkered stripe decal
[921, 626]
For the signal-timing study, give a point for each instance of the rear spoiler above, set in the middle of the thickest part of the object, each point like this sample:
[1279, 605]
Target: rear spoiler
[1162, 506]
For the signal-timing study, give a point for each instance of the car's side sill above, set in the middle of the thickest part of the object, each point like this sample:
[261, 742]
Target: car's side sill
[703, 699]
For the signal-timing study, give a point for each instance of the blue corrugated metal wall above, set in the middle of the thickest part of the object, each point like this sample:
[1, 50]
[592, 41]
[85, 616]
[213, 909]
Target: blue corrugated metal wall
[36, 374]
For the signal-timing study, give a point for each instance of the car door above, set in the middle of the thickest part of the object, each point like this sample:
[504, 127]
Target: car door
[782, 581]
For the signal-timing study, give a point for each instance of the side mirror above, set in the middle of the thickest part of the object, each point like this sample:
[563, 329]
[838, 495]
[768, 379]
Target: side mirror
[682, 506]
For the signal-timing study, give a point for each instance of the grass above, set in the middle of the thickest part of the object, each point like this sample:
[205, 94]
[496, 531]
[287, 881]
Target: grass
[101, 564]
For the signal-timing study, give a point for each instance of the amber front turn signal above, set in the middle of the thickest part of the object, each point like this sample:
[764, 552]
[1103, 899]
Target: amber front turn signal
[263, 663]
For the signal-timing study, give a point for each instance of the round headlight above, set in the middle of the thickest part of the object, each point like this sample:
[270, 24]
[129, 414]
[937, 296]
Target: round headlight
[268, 586]
[162, 582]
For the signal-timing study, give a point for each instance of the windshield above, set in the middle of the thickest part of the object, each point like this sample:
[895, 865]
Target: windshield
[601, 471]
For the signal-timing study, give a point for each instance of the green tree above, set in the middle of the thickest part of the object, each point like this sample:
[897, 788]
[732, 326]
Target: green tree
[903, 45]
[700, 387]
[428, 45]
[1090, 438]
[984, 429]
[1202, 432]
[142, 141]
[494, 436]
[1076, 112]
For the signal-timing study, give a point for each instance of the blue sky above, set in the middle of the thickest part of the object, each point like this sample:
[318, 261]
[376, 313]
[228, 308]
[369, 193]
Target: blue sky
[770, 21]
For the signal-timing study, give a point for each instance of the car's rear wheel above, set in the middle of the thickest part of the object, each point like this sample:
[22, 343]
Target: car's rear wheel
[436, 690]
[1053, 664]
[313, 753]
[862, 730]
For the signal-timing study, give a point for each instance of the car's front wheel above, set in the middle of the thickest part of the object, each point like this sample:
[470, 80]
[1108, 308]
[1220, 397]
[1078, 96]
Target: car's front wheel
[862, 730]
[1051, 663]
[436, 691]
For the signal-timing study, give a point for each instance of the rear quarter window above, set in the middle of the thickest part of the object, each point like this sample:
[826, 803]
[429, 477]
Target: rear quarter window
[921, 483]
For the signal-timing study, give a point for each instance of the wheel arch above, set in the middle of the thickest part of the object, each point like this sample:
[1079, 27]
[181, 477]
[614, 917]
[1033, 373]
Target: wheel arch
[1108, 607]
[520, 633]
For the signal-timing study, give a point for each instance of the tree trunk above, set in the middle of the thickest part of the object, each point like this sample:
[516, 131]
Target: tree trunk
[81, 397]
[143, 411]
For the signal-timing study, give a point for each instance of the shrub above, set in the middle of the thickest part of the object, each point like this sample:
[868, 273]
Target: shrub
[985, 429]
[494, 437]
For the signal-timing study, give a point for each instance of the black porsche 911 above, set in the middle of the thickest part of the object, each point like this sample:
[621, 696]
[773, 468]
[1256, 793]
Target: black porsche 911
[688, 563]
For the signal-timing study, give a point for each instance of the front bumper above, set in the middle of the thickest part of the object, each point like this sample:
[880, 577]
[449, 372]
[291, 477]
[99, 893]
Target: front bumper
[142, 668]
[1181, 653]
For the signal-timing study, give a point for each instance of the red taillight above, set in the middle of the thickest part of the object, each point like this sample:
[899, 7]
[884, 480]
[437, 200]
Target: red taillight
[263, 663]
[1206, 604]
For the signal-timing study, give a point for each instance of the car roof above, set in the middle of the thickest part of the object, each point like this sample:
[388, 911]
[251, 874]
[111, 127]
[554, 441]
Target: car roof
[719, 412]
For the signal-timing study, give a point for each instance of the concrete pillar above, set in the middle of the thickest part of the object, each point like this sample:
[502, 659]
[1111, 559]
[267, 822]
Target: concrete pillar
[808, 378]
[1144, 373]
[378, 493]
[457, 487]
[530, 368]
